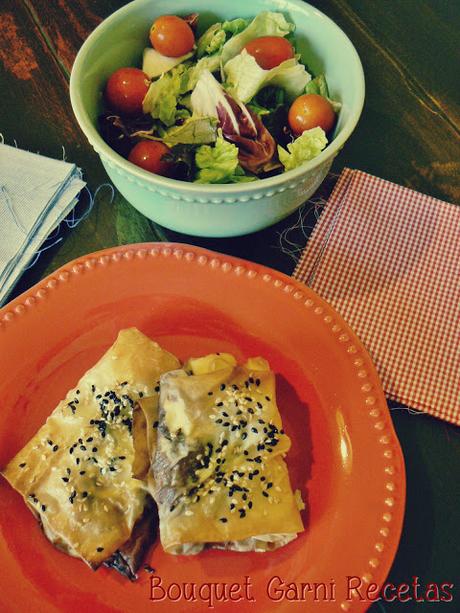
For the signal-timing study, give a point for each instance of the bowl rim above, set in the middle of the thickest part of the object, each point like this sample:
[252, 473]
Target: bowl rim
[123, 165]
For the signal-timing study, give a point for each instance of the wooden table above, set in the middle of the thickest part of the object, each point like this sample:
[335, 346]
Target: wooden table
[409, 133]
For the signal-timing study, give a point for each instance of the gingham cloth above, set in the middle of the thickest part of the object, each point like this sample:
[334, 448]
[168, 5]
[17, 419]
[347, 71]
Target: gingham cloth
[388, 259]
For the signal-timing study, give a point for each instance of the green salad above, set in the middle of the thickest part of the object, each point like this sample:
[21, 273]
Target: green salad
[231, 105]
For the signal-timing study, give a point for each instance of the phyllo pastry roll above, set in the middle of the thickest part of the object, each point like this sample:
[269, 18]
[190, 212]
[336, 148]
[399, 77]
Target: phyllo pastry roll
[218, 474]
[83, 473]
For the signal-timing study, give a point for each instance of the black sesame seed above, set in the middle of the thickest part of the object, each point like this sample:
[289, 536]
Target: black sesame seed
[239, 412]
[235, 387]
[55, 448]
[224, 442]
[43, 507]
[224, 414]
[210, 393]
[226, 424]
[281, 431]
[82, 447]
[71, 450]
[77, 461]
[84, 494]
[261, 421]
[141, 394]
[250, 504]
[155, 424]
[244, 435]
[246, 452]
[82, 472]
[254, 430]
[251, 411]
[122, 457]
[22, 464]
[267, 398]
[219, 421]
[100, 549]
[98, 396]
[93, 388]
[157, 388]
[242, 513]
[65, 479]
[94, 450]
[219, 404]
[222, 387]
[265, 494]
[262, 478]
[224, 520]
[244, 497]
[269, 485]
[233, 428]
[256, 472]
[89, 439]
[257, 382]
[259, 405]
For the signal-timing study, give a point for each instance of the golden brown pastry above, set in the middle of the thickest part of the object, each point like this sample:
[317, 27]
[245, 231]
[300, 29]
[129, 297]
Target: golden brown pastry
[218, 473]
[82, 474]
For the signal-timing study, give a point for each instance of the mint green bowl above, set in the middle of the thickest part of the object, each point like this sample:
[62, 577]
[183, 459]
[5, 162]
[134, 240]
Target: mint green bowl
[215, 210]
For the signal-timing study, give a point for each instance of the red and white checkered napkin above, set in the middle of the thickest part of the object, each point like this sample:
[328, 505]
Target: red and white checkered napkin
[388, 259]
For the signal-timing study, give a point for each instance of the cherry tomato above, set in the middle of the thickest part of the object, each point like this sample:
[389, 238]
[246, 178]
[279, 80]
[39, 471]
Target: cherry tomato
[148, 153]
[309, 111]
[126, 89]
[270, 51]
[171, 36]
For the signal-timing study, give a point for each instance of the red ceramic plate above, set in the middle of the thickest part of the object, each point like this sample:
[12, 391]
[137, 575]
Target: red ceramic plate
[345, 456]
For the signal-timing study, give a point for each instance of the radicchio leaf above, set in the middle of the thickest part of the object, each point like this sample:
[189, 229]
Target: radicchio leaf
[256, 146]
[192, 21]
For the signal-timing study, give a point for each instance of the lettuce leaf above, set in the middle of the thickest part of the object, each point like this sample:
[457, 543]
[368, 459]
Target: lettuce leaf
[244, 77]
[318, 85]
[155, 64]
[211, 41]
[162, 97]
[304, 148]
[235, 26]
[266, 23]
[194, 131]
[217, 35]
[209, 62]
[267, 100]
[219, 164]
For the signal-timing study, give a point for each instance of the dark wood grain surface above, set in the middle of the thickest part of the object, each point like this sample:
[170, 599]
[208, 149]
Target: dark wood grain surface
[408, 133]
